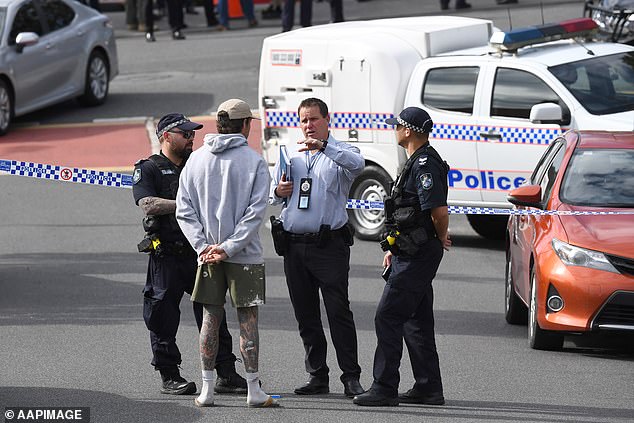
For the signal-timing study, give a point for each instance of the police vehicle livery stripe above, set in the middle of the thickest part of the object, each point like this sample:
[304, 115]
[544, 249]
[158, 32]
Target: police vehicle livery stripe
[119, 180]
[66, 174]
[442, 131]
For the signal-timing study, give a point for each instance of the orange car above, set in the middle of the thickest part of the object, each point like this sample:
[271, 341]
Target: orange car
[573, 272]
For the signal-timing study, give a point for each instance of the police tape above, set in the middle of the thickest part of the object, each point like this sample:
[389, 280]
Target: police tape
[120, 180]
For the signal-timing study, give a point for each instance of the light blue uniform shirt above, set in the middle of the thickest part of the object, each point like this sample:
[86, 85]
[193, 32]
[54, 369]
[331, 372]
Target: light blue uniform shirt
[332, 172]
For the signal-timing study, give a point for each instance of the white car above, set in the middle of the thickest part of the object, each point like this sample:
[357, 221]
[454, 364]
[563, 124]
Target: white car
[52, 51]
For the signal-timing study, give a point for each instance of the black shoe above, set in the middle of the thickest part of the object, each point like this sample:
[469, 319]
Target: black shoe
[315, 385]
[174, 384]
[371, 398]
[352, 387]
[177, 35]
[234, 384]
[444, 5]
[149, 37]
[416, 397]
[272, 12]
[506, 1]
[464, 6]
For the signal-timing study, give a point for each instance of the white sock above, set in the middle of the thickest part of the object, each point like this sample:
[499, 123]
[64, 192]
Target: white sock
[206, 396]
[256, 395]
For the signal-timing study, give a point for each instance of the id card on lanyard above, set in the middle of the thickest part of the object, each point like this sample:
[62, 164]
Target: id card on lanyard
[306, 184]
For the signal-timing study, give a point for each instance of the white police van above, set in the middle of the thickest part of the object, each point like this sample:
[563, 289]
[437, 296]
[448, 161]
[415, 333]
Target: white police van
[497, 99]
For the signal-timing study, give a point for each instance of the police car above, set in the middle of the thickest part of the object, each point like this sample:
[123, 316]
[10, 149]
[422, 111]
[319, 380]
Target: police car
[497, 99]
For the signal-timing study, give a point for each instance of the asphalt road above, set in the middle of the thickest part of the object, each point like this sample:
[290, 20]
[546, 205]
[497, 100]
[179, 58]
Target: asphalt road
[72, 334]
[71, 331]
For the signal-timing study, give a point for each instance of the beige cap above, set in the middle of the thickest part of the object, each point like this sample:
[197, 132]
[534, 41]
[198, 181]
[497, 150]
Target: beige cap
[236, 108]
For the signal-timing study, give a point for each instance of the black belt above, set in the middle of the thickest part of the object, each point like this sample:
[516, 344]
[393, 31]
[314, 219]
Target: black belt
[176, 249]
[311, 237]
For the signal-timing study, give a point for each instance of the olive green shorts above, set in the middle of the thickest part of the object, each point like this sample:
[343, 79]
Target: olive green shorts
[245, 283]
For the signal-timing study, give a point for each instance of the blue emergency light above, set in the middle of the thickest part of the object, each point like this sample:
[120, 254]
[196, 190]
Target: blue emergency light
[517, 38]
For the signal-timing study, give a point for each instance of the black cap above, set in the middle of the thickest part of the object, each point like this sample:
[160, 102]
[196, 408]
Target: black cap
[413, 118]
[176, 120]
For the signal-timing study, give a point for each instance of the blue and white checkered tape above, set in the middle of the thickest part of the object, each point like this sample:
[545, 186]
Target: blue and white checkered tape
[120, 180]
[66, 174]
[378, 205]
[338, 120]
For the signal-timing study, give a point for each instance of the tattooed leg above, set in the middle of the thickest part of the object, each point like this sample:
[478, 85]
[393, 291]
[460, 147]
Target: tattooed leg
[209, 338]
[249, 337]
[250, 347]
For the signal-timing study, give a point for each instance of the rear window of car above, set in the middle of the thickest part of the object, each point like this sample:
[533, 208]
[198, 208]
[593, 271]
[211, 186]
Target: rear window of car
[451, 89]
[599, 178]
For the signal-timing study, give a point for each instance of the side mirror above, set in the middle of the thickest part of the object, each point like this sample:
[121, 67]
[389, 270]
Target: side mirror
[546, 113]
[526, 195]
[25, 39]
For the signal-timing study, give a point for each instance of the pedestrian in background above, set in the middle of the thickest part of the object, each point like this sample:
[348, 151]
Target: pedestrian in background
[273, 11]
[247, 10]
[460, 4]
[220, 206]
[172, 263]
[417, 217]
[317, 240]
[306, 13]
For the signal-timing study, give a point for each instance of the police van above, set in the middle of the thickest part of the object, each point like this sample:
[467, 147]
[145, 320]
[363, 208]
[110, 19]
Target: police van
[497, 99]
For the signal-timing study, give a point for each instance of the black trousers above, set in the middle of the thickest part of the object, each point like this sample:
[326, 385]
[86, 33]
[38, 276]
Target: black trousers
[175, 14]
[306, 13]
[405, 311]
[309, 269]
[168, 278]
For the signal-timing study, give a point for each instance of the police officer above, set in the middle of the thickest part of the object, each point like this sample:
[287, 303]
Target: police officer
[417, 218]
[172, 264]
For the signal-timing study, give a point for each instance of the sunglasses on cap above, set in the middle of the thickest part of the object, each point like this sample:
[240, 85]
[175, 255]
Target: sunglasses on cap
[188, 135]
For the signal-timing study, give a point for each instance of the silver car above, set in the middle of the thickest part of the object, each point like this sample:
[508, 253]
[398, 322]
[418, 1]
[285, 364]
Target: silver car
[51, 51]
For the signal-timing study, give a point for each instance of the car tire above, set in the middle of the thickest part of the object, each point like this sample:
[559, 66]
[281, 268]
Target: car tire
[6, 107]
[371, 185]
[538, 338]
[97, 80]
[489, 226]
[515, 311]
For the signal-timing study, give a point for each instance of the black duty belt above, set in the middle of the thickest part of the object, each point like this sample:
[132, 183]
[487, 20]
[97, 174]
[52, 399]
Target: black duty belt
[311, 237]
[176, 249]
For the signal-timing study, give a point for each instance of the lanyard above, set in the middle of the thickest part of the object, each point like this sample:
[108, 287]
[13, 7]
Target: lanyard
[311, 160]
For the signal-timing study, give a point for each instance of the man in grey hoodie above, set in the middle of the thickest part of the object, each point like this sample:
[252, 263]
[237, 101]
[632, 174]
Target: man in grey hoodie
[220, 206]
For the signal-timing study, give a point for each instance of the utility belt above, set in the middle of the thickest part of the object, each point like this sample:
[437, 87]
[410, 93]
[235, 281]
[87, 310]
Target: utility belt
[406, 233]
[152, 244]
[282, 238]
[174, 249]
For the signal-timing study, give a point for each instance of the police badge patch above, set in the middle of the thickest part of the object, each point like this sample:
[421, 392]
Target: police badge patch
[426, 181]
[136, 177]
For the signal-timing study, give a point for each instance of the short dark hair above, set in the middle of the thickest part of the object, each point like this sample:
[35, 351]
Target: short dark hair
[310, 102]
[224, 125]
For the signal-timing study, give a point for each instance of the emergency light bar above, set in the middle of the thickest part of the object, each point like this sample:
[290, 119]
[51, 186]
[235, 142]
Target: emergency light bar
[512, 40]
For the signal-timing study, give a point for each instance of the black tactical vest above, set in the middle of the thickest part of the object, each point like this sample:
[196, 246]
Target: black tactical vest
[170, 231]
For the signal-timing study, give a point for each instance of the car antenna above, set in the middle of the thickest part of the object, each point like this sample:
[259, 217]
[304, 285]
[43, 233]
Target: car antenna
[508, 12]
[590, 52]
[541, 9]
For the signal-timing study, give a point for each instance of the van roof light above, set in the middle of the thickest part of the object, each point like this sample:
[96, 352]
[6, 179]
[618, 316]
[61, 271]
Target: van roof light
[512, 40]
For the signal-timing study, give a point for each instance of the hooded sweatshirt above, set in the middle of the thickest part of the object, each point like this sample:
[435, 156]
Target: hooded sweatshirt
[222, 198]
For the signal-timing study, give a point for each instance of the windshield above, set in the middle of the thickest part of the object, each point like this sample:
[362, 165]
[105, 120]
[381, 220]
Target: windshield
[599, 178]
[603, 85]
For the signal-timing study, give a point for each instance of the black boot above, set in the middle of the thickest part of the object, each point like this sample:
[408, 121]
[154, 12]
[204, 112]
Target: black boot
[174, 384]
[228, 380]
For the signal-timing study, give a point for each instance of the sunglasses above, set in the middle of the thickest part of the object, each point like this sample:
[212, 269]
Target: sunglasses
[188, 135]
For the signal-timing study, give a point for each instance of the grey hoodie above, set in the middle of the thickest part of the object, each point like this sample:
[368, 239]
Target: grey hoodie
[222, 197]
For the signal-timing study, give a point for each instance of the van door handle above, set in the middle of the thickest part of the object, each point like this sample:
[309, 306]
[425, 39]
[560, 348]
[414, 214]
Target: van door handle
[491, 135]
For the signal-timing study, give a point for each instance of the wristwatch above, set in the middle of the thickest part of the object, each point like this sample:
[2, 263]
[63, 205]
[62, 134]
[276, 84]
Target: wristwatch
[324, 145]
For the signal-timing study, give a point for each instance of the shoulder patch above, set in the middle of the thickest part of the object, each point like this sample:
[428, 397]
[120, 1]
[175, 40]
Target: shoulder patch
[426, 181]
[138, 162]
[422, 160]
[136, 177]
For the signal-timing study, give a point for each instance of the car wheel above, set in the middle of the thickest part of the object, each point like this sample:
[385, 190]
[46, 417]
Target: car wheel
[488, 226]
[371, 185]
[538, 338]
[515, 311]
[97, 80]
[6, 108]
